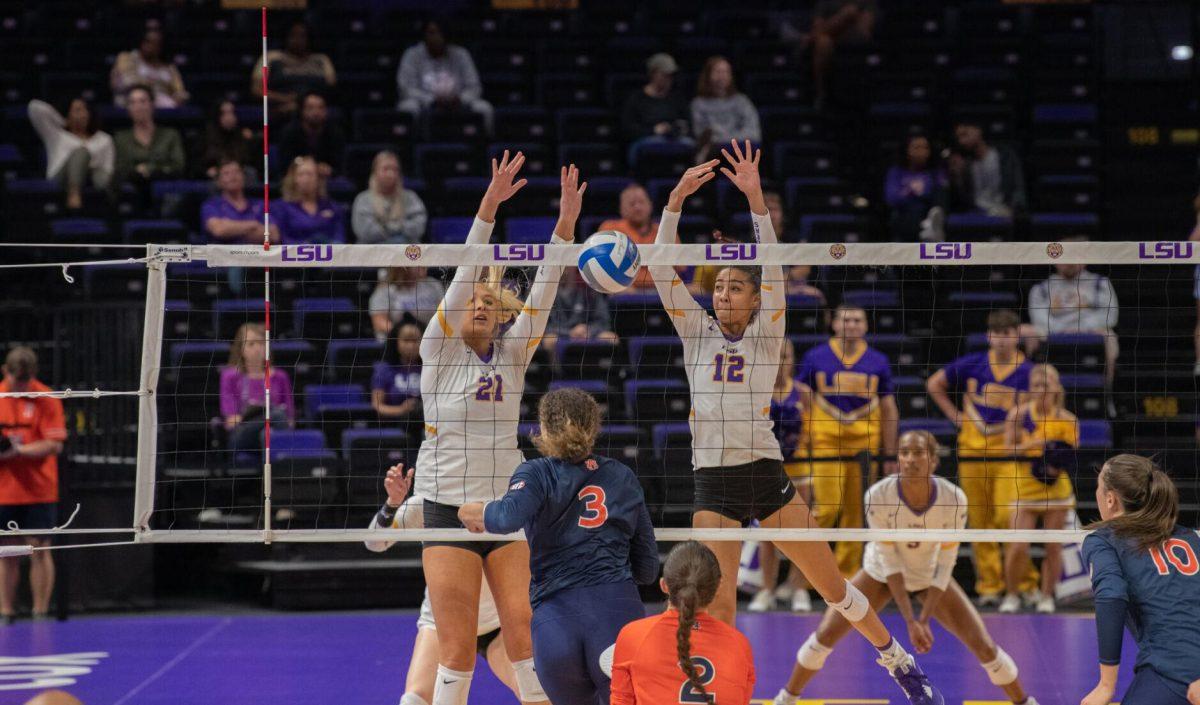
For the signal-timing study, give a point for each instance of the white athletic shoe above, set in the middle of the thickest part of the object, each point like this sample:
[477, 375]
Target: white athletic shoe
[1031, 701]
[801, 602]
[1010, 605]
[784, 592]
[1031, 598]
[1046, 605]
[785, 698]
[764, 601]
[989, 600]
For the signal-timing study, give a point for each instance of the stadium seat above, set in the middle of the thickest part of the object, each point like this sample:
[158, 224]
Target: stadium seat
[315, 396]
[834, 227]
[599, 158]
[628, 444]
[1076, 353]
[80, 230]
[445, 231]
[287, 443]
[585, 125]
[521, 123]
[656, 357]
[1055, 226]
[158, 231]
[300, 359]
[590, 360]
[805, 314]
[657, 400]
[816, 194]
[662, 159]
[1095, 434]
[673, 450]
[352, 361]
[604, 197]
[539, 160]
[230, 314]
[1066, 193]
[326, 318]
[911, 397]
[978, 227]
[529, 230]
[567, 90]
[1085, 394]
[368, 453]
[606, 395]
[461, 197]
[968, 310]
[437, 161]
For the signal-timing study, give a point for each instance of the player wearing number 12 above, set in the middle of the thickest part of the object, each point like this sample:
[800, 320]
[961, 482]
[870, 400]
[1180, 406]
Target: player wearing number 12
[731, 362]
[590, 541]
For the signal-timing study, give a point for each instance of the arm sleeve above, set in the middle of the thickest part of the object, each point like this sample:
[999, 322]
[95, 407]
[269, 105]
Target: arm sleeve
[45, 119]
[462, 286]
[643, 552]
[621, 688]
[366, 227]
[531, 323]
[686, 315]
[520, 504]
[774, 300]
[1110, 629]
[1039, 307]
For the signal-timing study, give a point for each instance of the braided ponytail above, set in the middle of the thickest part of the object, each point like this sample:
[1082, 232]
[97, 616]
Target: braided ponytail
[692, 575]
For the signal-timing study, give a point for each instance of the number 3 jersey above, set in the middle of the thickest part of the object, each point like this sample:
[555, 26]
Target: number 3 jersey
[923, 564]
[587, 524]
[472, 403]
[732, 380]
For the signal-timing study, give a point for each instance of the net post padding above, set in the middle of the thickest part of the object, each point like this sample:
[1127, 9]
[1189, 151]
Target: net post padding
[147, 438]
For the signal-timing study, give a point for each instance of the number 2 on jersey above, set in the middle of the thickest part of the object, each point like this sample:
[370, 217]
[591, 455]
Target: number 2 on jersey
[688, 693]
[593, 503]
[1178, 553]
[729, 368]
[490, 389]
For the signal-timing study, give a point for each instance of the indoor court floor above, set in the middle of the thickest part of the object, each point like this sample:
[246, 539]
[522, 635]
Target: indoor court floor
[361, 658]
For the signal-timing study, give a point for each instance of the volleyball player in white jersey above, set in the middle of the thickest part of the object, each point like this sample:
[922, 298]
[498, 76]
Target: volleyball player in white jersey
[731, 364]
[398, 512]
[912, 499]
[472, 379]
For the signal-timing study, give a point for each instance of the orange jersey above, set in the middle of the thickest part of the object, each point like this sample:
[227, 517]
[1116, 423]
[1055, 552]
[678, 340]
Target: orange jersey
[646, 671]
[25, 420]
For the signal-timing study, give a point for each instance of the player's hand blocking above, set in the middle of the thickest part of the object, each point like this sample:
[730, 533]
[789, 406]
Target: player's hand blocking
[690, 182]
[397, 483]
[503, 185]
[570, 202]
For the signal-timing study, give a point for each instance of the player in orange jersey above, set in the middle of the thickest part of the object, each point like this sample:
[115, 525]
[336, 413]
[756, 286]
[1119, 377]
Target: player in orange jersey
[683, 655]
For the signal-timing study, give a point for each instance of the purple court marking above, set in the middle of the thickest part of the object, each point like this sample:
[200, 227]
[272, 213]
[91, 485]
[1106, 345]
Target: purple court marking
[361, 658]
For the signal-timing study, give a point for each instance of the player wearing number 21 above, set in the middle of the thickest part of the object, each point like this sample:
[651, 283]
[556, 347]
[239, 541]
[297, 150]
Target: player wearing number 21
[731, 364]
[1145, 570]
[590, 541]
[472, 379]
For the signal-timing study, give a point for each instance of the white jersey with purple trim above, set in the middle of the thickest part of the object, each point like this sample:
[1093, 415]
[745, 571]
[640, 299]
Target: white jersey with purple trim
[472, 404]
[489, 617]
[731, 380]
[924, 564]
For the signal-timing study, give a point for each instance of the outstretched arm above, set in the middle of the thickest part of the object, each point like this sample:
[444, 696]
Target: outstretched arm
[677, 300]
[531, 323]
[503, 186]
[744, 175]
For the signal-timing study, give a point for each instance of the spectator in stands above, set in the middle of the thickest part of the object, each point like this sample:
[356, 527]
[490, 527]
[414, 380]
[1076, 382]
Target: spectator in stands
[146, 152]
[145, 66]
[916, 193]
[77, 151]
[655, 113]
[636, 223]
[32, 432]
[306, 213]
[396, 381]
[311, 134]
[983, 176]
[293, 72]
[836, 22]
[797, 282]
[580, 313]
[225, 139]
[720, 112]
[436, 76]
[386, 211]
[1075, 300]
[242, 390]
[230, 217]
[404, 291]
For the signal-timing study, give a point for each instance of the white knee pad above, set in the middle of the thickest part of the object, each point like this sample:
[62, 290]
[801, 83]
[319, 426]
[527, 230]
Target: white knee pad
[813, 653]
[1002, 670]
[855, 606]
[412, 699]
[606, 660]
[528, 684]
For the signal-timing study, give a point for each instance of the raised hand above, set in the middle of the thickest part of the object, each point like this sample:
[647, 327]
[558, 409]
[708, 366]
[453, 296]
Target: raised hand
[570, 202]
[397, 483]
[503, 185]
[690, 182]
[744, 173]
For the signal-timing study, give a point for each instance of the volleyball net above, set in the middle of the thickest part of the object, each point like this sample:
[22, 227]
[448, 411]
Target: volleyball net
[345, 390]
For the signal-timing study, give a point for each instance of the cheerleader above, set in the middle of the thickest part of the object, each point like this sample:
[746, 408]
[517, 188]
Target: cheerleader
[731, 362]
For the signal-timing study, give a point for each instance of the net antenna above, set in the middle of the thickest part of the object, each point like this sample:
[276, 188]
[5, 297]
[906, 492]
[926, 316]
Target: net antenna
[266, 291]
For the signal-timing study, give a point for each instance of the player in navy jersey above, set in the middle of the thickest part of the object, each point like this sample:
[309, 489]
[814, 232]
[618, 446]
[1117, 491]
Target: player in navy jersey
[590, 544]
[1145, 571]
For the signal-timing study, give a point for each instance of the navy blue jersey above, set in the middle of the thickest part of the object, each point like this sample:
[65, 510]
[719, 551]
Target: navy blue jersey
[586, 524]
[1161, 588]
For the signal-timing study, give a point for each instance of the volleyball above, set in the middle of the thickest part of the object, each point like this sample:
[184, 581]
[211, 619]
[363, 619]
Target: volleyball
[609, 261]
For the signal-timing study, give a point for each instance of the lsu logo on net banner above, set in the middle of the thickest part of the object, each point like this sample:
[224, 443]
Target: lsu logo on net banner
[519, 253]
[728, 251]
[308, 253]
[1165, 250]
[946, 250]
